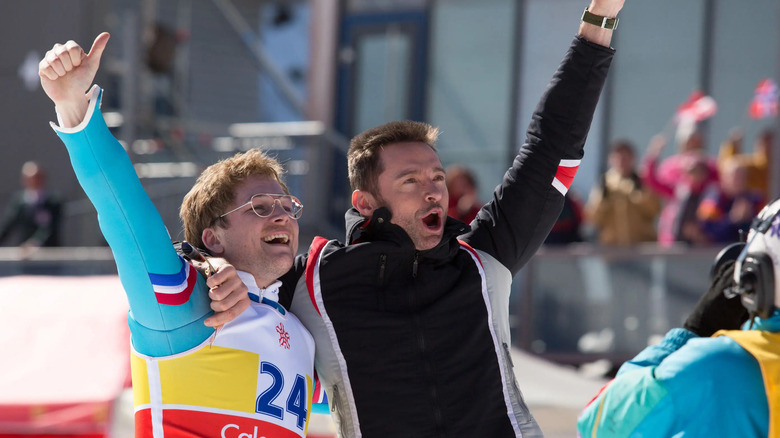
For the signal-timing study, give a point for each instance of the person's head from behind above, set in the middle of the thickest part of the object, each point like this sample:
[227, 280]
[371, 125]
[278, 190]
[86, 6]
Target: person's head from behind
[757, 269]
[689, 137]
[734, 177]
[697, 173]
[33, 176]
[764, 143]
[460, 182]
[622, 158]
[395, 165]
[241, 210]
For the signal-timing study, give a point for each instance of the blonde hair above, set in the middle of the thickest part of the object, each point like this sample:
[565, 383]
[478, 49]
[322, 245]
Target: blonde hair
[363, 157]
[214, 190]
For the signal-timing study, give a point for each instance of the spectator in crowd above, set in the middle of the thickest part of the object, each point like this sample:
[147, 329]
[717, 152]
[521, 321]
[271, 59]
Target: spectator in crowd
[464, 199]
[728, 208]
[690, 146]
[32, 217]
[682, 193]
[622, 210]
[709, 378]
[567, 229]
[756, 164]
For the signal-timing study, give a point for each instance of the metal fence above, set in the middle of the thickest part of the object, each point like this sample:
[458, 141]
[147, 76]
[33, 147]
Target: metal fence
[313, 155]
[572, 304]
[583, 302]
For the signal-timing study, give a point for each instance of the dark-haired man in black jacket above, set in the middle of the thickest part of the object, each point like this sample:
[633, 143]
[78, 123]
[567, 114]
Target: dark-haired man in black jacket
[410, 315]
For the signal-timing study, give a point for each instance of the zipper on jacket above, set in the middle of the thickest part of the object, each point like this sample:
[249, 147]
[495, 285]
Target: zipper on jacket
[336, 409]
[335, 397]
[382, 265]
[521, 401]
[508, 354]
[432, 390]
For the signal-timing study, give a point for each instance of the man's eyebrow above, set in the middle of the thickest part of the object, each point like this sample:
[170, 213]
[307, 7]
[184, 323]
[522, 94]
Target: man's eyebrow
[415, 170]
[406, 172]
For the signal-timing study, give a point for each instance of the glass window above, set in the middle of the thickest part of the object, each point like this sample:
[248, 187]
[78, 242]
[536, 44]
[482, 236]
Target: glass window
[382, 78]
[470, 84]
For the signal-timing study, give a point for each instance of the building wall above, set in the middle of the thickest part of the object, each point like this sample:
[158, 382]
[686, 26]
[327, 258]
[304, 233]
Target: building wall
[485, 64]
[747, 50]
[215, 81]
[470, 83]
[29, 30]
[665, 50]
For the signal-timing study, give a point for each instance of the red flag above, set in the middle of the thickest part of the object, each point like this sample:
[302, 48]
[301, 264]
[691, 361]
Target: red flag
[698, 107]
[764, 103]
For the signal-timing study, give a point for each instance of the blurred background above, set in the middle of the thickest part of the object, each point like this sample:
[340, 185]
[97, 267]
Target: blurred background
[188, 82]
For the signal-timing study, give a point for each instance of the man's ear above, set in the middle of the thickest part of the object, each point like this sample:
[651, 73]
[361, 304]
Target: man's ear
[212, 241]
[364, 202]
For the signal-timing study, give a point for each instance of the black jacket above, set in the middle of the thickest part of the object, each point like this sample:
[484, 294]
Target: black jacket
[36, 223]
[416, 343]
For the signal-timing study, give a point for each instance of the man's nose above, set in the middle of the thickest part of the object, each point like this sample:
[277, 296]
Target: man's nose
[434, 192]
[278, 213]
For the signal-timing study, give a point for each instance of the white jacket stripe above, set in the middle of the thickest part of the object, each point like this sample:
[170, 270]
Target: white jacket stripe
[347, 390]
[496, 344]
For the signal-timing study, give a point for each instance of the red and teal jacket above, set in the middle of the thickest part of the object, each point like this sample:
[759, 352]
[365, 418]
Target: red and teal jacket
[687, 386]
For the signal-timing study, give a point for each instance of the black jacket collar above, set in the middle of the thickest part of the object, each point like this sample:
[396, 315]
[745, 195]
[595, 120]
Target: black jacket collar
[378, 228]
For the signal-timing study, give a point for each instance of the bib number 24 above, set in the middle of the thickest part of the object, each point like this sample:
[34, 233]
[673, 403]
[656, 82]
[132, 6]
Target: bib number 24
[297, 400]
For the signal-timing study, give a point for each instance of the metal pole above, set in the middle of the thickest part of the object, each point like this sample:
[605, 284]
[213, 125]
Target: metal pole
[517, 130]
[129, 85]
[708, 40]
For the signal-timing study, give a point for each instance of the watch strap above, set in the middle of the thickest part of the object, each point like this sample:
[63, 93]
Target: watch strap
[598, 20]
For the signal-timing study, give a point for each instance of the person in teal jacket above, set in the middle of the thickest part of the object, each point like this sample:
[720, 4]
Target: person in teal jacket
[708, 379]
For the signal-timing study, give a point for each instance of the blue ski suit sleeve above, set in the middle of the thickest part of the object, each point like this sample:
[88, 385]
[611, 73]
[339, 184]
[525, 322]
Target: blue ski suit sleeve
[168, 299]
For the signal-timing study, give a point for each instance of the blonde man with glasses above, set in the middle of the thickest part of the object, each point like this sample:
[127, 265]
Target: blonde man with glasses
[254, 377]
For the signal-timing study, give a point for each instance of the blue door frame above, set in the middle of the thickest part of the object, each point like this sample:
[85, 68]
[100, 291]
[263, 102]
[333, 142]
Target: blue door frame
[356, 26]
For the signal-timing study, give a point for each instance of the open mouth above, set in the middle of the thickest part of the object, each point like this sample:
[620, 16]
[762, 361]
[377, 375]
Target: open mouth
[432, 220]
[277, 239]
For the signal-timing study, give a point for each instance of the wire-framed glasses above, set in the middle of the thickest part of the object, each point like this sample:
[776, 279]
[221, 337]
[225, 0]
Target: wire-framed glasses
[263, 205]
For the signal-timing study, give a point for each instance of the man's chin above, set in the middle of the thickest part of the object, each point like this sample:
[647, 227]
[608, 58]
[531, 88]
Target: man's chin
[427, 242]
[278, 267]
[277, 260]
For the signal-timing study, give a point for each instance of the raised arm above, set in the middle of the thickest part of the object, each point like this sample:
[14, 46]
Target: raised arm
[529, 200]
[168, 299]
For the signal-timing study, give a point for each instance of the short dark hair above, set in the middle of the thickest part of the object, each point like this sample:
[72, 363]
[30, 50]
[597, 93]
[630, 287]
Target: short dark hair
[622, 145]
[459, 170]
[363, 157]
